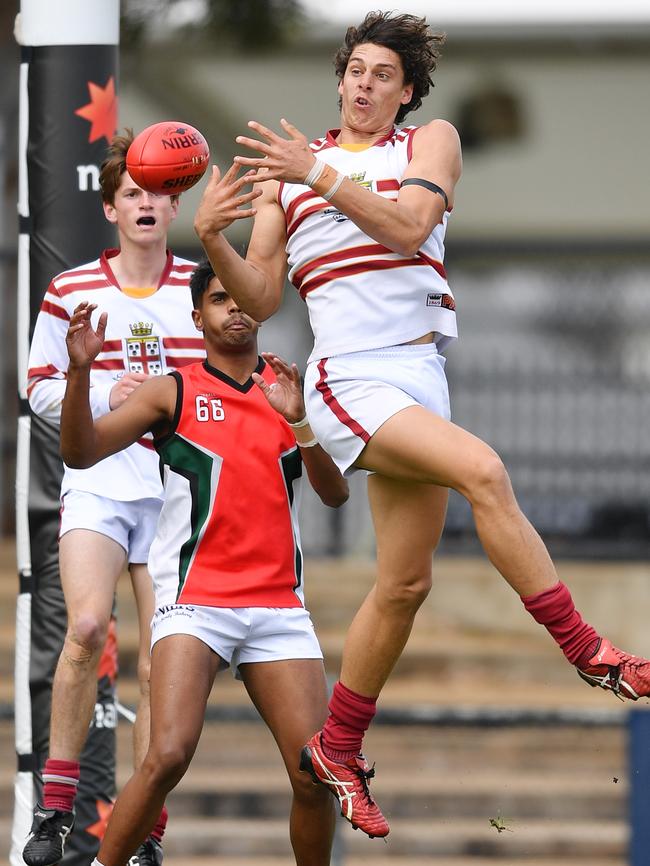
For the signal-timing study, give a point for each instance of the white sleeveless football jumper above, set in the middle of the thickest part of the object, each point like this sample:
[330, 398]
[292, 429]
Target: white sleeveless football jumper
[152, 335]
[364, 301]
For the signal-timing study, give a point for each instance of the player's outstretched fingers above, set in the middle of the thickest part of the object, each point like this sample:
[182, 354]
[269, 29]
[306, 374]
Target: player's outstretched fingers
[230, 177]
[292, 130]
[253, 144]
[270, 359]
[101, 326]
[264, 130]
[245, 178]
[252, 161]
[264, 387]
[215, 176]
[277, 364]
[84, 307]
[247, 196]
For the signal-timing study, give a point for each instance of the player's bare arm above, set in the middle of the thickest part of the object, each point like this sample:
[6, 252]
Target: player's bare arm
[437, 159]
[84, 441]
[400, 225]
[285, 396]
[256, 282]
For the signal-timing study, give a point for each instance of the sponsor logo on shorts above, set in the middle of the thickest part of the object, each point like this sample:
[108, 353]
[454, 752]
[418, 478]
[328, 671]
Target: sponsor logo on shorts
[171, 608]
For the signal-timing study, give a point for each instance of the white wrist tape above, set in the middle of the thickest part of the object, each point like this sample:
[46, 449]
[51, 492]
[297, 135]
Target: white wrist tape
[334, 188]
[315, 172]
[309, 444]
[302, 423]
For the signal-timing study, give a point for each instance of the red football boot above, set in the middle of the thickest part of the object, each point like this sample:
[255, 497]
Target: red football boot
[610, 668]
[349, 782]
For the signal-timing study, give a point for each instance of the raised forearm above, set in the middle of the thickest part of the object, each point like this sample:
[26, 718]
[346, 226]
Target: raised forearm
[244, 282]
[324, 476]
[77, 444]
[254, 283]
[399, 228]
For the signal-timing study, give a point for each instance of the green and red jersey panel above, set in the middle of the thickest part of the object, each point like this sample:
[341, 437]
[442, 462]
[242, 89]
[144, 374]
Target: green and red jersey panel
[228, 532]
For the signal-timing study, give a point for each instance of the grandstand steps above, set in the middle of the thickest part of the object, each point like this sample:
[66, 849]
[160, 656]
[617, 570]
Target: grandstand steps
[226, 793]
[472, 642]
[553, 785]
[364, 860]
[409, 837]
[554, 788]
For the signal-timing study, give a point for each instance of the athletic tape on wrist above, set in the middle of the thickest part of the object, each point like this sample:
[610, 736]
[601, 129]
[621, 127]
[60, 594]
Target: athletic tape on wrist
[309, 444]
[334, 188]
[302, 423]
[314, 172]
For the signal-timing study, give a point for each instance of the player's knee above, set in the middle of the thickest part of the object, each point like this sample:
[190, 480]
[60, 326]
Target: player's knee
[306, 793]
[490, 485]
[144, 673]
[408, 592]
[85, 638]
[166, 764]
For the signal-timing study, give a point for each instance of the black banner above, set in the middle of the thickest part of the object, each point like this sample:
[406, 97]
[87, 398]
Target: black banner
[72, 116]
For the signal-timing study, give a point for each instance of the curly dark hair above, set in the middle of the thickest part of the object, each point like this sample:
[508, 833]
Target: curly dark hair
[406, 35]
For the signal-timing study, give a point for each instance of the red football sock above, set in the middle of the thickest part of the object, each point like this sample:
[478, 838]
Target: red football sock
[159, 830]
[349, 718]
[554, 609]
[60, 782]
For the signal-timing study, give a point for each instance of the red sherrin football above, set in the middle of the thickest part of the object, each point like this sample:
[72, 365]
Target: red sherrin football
[168, 157]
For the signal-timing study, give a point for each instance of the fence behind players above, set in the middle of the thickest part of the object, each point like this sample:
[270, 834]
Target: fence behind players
[553, 370]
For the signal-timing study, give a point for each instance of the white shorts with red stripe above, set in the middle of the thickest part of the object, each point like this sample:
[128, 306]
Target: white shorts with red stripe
[348, 397]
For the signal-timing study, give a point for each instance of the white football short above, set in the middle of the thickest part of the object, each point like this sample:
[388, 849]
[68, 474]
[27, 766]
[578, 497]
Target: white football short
[132, 523]
[348, 397]
[243, 634]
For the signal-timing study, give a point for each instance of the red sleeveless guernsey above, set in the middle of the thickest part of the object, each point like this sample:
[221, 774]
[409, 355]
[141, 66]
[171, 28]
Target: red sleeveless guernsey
[228, 532]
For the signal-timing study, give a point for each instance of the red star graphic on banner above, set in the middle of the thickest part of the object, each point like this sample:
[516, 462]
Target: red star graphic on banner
[99, 827]
[101, 111]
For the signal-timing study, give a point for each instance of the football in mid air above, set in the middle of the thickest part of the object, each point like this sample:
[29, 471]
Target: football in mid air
[168, 157]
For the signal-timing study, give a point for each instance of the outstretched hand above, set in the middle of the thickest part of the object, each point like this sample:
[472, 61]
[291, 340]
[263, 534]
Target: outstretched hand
[289, 159]
[285, 394]
[223, 200]
[82, 341]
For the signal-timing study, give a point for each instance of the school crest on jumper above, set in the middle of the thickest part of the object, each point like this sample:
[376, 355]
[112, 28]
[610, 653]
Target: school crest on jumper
[143, 350]
[359, 178]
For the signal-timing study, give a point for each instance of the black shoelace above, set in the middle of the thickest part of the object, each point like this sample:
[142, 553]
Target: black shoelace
[364, 775]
